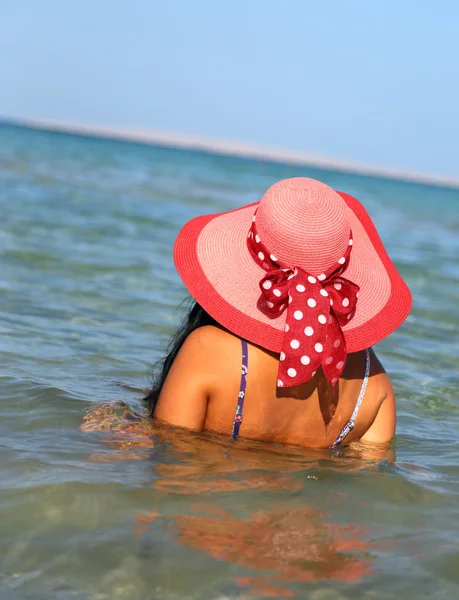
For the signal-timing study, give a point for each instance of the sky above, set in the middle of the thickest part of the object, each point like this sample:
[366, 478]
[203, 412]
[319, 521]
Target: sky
[368, 81]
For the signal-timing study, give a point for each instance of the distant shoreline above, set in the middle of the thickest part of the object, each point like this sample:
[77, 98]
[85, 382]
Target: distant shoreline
[228, 148]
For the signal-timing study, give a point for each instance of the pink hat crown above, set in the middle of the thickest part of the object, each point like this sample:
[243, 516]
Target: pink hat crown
[304, 223]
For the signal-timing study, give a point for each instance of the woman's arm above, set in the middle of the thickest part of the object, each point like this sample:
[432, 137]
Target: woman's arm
[382, 430]
[185, 393]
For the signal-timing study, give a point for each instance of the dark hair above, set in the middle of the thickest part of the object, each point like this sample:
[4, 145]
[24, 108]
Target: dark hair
[196, 317]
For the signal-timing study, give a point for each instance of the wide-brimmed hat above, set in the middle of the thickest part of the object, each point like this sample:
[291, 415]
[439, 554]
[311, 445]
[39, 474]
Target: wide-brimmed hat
[303, 225]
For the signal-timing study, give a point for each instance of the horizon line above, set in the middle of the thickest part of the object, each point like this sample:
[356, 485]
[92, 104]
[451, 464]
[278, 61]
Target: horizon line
[228, 148]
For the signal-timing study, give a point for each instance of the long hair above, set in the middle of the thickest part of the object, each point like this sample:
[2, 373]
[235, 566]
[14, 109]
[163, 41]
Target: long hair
[196, 317]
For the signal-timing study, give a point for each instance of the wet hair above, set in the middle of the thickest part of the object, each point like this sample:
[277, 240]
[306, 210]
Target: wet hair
[195, 318]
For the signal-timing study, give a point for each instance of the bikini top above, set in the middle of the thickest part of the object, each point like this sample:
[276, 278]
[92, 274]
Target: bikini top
[240, 402]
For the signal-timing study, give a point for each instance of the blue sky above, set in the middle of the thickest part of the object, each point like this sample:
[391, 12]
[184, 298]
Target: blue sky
[373, 81]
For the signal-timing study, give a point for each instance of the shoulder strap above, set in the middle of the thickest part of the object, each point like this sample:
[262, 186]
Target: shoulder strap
[242, 388]
[350, 425]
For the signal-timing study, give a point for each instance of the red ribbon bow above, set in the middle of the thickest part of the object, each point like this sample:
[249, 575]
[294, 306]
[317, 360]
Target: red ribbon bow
[317, 308]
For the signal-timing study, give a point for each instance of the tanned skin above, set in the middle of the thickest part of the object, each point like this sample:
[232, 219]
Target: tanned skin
[201, 392]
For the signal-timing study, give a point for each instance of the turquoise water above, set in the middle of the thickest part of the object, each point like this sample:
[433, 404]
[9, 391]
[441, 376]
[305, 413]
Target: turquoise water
[88, 298]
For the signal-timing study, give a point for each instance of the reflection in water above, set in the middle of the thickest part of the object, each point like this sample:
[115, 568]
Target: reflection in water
[296, 544]
[128, 435]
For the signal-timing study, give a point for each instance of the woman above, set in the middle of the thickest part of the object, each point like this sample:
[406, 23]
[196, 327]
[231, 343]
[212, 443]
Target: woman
[290, 294]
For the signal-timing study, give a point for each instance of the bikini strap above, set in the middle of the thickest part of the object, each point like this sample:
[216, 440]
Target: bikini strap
[351, 423]
[242, 388]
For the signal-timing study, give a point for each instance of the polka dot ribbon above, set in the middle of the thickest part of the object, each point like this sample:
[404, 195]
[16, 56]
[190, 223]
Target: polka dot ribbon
[317, 308]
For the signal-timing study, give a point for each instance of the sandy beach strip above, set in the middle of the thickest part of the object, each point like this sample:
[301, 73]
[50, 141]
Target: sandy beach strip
[229, 148]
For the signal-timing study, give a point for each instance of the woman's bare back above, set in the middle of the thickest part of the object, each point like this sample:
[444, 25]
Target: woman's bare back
[202, 388]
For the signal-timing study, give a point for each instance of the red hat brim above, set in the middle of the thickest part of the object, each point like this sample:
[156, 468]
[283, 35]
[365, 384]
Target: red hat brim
[212, 258]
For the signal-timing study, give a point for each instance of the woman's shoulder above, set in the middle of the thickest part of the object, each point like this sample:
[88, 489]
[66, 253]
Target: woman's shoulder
[210, 352]
[381, 410]
[206, 362]
[380, 379]
[356, 367]
[210, 340]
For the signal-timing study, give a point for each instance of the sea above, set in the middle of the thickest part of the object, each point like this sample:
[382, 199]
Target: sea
[97, 504]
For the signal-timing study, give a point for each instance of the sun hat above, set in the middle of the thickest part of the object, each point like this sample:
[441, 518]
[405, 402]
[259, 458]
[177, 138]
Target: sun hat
[302, 273]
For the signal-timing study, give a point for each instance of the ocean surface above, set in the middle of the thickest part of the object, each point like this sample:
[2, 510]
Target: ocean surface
[97, 505]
